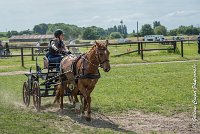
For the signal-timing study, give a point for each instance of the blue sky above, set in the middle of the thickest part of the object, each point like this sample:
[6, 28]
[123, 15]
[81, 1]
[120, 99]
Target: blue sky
[24, 14]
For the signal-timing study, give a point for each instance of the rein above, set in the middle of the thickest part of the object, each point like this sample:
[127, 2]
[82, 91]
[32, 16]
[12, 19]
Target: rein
[101, 62]
[85, 61]
[89, 62]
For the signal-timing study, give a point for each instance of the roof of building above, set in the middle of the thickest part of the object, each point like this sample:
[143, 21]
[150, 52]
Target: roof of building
[48, 36]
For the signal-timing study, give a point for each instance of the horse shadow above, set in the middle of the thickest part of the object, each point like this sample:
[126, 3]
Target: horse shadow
[99, 120]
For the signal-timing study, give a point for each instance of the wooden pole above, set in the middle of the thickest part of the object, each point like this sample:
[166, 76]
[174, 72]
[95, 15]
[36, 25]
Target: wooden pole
[32, 52]
[181, 48]
[138, 48]
[22, 57]
[174, 45]
[137, 32]
[142, 56]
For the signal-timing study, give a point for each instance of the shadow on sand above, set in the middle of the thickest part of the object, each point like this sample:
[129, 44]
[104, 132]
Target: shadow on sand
[99, 120]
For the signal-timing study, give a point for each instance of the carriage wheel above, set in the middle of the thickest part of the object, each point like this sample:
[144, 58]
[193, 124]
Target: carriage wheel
[36, 96]
[26, 94]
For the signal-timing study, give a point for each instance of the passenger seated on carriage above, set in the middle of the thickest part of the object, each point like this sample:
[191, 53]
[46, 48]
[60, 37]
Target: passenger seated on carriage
[57, 49]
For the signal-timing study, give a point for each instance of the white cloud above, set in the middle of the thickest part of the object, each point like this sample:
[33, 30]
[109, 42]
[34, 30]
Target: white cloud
[182, 13]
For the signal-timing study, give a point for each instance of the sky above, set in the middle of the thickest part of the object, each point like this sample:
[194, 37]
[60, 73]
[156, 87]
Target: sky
[25, 14]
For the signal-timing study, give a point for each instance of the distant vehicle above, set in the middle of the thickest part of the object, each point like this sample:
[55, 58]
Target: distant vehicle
[123, 40]
[178, 38]
[154, 38]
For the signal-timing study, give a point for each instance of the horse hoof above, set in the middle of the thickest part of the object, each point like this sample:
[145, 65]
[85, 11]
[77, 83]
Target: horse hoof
[82, 115]
[61, 111]
[77, 111]
[88, 118]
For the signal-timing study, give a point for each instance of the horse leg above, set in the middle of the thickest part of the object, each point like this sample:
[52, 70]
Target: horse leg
[61, 100]
[57, 95]
[74, 94]
[76, 101]
[70, 97]
[84, 103]
[88, 117]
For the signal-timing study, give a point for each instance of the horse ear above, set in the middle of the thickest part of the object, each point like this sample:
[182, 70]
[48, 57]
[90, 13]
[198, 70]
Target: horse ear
[106, 43]
[97, 43]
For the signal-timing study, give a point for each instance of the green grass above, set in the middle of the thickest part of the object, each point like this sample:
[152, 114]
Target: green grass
[4, 38]
[160, 88]
[16, 118]
[20, 121]
[164, 89]
[190, 53]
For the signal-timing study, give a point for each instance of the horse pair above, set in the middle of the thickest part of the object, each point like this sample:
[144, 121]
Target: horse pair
[83, 74]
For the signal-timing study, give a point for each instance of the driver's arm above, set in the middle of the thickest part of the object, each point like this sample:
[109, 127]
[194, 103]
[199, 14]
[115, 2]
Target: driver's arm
[53, 45]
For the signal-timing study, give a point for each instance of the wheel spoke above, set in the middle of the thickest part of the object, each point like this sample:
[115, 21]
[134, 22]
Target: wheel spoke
[26, 95]
[36, 96]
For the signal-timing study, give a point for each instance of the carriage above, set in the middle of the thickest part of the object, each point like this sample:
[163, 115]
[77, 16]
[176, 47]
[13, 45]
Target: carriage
[41, 83]
[81, 72]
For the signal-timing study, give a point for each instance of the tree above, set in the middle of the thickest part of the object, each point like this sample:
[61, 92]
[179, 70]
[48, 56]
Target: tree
[40, 29]
[115, 35]
[115, 28]
[156, 24]
[11, 33]
[146, 30]
[119, 29]
[101, 33]
[124, 30]
[181, 29]
[173, 32]
[160, 30]
[90, 33]
[26, 32]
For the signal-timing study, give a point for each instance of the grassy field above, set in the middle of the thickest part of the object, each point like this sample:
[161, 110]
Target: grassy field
[164, 89]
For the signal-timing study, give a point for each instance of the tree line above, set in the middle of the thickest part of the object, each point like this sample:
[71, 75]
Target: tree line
[159, 29]
[94, 33]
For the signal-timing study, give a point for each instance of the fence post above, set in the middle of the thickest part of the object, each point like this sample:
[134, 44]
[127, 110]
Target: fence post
[22, 56]
[138, 48]
[181, 48]
[174, 45]
[32, 53]
[142, 56]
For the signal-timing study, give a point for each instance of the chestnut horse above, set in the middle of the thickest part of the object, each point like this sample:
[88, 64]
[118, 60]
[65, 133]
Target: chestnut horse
[83, 74]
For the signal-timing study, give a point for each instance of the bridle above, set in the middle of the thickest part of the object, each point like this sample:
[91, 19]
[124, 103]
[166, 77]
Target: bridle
[98, 56]
[85, 60]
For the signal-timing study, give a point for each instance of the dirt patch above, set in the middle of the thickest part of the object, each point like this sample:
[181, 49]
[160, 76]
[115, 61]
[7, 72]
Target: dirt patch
[12, 73]
[140, 122]
[131, 121]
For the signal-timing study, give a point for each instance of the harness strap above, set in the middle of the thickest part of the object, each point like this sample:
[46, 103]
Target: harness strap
[88, 76]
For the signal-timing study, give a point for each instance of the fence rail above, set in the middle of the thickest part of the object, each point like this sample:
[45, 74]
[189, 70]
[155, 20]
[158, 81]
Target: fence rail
[140, 49]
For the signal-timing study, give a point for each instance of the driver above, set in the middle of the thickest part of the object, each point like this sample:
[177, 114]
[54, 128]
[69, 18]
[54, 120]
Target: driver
[57, 49]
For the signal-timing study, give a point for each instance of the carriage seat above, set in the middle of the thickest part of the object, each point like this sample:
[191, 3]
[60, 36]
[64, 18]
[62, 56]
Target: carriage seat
[48, 65]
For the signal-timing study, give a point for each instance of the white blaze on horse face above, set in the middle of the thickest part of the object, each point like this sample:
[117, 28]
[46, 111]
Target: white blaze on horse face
[105, 52]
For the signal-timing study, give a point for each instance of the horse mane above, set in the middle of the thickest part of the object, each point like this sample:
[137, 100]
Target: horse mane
[93, 47]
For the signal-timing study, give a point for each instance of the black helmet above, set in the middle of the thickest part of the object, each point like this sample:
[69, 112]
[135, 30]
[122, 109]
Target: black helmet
[58, 32]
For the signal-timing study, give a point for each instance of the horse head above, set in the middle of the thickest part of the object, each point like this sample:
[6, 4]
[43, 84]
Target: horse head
[102, 54]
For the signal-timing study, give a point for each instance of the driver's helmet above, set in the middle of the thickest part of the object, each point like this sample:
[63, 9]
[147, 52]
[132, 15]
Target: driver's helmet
[58, 32]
